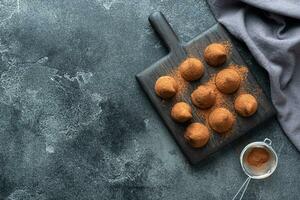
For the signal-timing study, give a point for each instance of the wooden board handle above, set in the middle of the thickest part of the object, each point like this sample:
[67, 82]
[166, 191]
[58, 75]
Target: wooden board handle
[164, 30]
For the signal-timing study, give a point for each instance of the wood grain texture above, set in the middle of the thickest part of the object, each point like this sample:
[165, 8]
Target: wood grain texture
[195, 48]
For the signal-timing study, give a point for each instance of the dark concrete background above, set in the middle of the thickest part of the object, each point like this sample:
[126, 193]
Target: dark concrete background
[74, 123]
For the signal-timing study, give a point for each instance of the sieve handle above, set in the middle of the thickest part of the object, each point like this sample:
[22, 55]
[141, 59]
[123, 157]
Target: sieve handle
[268, 141]
[242, 189]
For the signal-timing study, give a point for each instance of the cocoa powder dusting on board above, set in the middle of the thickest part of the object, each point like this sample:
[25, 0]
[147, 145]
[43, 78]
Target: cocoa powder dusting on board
[228, 47]
[182, 84]
[242, 70]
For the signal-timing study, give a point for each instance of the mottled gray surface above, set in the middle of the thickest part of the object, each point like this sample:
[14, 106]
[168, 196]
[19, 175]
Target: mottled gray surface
[75, 124]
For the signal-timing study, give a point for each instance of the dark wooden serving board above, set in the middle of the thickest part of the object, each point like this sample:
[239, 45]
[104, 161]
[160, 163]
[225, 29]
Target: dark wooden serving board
[180, 51]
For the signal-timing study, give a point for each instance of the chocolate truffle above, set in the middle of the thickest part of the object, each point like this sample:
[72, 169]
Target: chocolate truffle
[191, 69]
[228, 81]
[181, 112]
[197, 135]
[204, 96]
[215, 54]
[221, 120]
[166, 87]
[245, 105]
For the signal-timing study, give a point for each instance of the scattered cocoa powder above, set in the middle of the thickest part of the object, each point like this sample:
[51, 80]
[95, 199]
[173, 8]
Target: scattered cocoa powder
[242, 70]
[227, 46]
[181, 82]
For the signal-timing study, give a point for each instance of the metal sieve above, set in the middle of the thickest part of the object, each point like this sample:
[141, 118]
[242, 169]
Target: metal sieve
[268, 169]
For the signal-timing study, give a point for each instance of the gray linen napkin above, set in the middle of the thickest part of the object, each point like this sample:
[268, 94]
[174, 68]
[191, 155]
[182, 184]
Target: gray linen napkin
[271, 30]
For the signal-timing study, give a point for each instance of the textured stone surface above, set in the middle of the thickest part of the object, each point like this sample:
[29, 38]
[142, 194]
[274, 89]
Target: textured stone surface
[75, 124]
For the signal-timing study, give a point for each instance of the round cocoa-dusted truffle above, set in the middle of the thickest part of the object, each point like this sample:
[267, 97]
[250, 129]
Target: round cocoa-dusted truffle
[197, 135]
[166, 87]
[215, 54]
[228, 81]
[245, 105]
[191, 69]
[181, 112]
[204, 96]
[221, 120]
